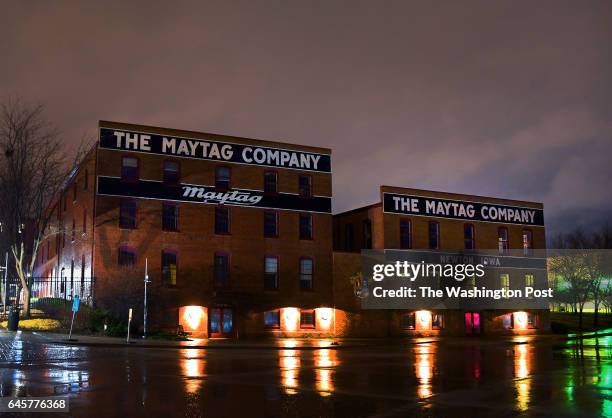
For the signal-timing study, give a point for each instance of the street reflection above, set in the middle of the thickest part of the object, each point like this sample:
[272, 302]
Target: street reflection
[424, 360]
[522, 369]
[193, 365]
[289, 363]
[325, 363]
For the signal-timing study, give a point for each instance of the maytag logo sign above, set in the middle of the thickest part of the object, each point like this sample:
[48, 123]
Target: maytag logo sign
[197, 193]
[204, 149]
[459, 209]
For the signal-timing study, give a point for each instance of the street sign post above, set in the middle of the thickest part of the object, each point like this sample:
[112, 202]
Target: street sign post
[75, 307]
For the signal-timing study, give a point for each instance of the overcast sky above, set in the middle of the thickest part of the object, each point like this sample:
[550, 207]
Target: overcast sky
[510, 99]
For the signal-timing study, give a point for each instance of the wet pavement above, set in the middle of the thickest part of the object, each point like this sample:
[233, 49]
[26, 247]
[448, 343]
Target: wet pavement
[448, 378]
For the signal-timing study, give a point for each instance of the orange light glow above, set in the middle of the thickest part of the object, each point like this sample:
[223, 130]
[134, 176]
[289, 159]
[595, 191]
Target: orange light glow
[290, 367]
[424, 368]
[291, 317]
[324, 318]
[423, 320]
[325, 362]
[193, 365]
[520, 320]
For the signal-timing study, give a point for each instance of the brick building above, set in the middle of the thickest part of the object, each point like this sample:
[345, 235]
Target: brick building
[417, 220]
[236, 232]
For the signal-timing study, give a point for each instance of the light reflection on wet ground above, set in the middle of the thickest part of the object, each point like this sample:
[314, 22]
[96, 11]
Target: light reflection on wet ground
[446, 378]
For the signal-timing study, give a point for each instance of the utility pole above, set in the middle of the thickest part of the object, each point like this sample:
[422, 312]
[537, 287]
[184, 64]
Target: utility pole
[146, 281]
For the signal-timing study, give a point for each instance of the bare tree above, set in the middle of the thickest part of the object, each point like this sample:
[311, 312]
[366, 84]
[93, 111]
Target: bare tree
[32, 172]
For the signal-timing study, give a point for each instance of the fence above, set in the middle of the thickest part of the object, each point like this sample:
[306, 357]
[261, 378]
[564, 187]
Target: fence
[57, 289]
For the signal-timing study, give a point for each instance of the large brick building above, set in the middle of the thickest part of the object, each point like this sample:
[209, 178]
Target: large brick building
[236, 232]
[422, 221]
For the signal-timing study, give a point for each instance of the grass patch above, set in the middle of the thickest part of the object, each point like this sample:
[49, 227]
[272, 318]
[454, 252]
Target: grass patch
[39, 324]
[568, 322]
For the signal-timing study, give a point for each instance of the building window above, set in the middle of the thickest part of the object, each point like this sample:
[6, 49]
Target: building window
[222, 220]
[527, 242]
[502, 237]
[271, 273]
[172, 172]
[129, 169]
[434, 235]
[127, 214]
[408, 320]
[469, 241]
[272, 319]
[307, 318]
[221, 273]
[531, 320]
[170, 217]
[305, 186]
[270, 182]
[437, 321]
[349, 237]
[405, 230]
[505, 282]
[270, 224]
[305, 226]
[222, 178]
[86, 180]
[529, 282]
[306, 273]
[127, 257]
[169, 268]
[367, 234]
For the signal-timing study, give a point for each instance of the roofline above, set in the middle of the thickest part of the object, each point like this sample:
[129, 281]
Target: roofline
[373, 205]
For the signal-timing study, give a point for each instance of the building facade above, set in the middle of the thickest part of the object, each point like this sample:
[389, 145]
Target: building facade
[421, 220]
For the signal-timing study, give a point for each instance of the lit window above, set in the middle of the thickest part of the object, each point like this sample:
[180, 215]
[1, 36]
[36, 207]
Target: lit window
[221, 272]
[169, 268]
[270, 224]
[305, 186]
[307, 318]
[305, 226]
[272, 319]
[405, 234]
[468, 237]
[505, 282]
[527, 242]
[271, 273]
[502, 237]
[306, 273]
[434, 235]
[172, 172]
[437, 321]
[270, 182]
[222, 220]
[222, 178]
[129, 169]
[529, 281]
[170, 217]
[127, 214]
[126, 257]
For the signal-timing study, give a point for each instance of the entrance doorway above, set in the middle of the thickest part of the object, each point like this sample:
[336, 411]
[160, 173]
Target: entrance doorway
[221, 322]
[472, 323]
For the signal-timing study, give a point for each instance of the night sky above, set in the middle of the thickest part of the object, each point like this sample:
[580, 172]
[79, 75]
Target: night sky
[509, 99]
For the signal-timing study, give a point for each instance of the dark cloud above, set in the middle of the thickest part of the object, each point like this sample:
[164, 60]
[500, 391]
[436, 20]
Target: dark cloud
[509, 99]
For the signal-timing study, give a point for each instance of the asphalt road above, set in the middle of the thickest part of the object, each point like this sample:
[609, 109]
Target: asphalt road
[477, 378]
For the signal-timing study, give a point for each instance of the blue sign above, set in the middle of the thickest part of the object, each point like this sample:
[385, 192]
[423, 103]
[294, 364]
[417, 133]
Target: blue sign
[75, 304]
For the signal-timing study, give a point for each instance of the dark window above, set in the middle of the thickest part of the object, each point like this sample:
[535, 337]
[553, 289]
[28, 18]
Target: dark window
[531, 320]
[172, 172]
[222, 220]
[469, 241]
[405, 234]
[270, 224]
[169, 268]
[272, 319]
[271, 273]
[367, 234]
[349, 237]
[305, 186]
[170, 217]
[307, 318]
[221, 272]
[86, 180]
[408, 321]
[502, 237]
[437, 321]
[129, 169]
[127, 214]
[222, 178]
[127, 257]
[434, 235]
[306, 274]
[305, 226]
[271, 182]
[527, 242]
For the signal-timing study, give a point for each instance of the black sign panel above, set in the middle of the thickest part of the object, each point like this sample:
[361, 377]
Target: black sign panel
[458, 209]
[148, 189]
[150, 143]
